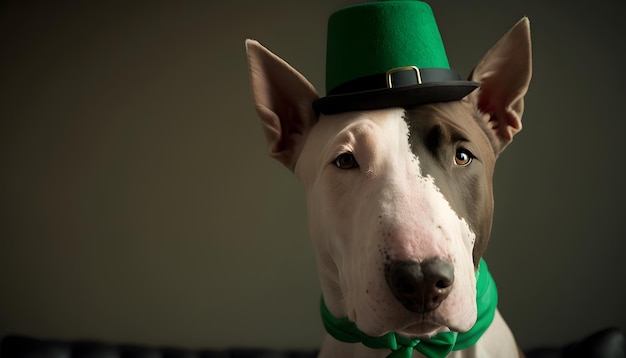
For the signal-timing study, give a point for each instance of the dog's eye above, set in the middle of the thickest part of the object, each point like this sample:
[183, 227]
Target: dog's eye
[463, 157]
[346, 161]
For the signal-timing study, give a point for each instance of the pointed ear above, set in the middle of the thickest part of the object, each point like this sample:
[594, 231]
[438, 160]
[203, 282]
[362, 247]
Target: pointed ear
[504, 75]
[283, 99]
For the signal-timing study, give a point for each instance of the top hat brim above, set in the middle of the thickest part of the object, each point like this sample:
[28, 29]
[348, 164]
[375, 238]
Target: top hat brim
[408, 96]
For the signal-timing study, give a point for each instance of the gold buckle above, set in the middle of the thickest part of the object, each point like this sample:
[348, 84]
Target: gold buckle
[401, 69]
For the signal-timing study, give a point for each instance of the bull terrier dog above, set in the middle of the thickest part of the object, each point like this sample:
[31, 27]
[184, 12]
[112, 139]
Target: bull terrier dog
[397, 162]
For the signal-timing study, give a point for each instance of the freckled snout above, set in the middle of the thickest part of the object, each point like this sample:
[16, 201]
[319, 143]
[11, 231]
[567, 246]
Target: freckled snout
[420, 286]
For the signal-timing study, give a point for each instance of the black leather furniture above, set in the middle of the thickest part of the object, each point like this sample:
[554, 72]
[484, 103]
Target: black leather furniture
[15, 346]
[609, 343]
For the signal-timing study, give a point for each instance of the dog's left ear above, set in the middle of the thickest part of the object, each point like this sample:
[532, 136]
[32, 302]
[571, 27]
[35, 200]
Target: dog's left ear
[504, 75]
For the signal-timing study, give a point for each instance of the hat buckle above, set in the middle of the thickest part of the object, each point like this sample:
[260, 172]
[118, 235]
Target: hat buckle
[403, 76]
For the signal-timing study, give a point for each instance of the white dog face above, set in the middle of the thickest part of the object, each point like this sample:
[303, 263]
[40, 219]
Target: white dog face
[371, 200]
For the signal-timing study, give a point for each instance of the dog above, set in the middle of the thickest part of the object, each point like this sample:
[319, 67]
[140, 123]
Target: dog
[399, 201]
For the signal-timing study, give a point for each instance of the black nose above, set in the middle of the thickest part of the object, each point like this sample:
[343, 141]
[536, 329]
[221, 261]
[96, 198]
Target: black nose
[420, 287]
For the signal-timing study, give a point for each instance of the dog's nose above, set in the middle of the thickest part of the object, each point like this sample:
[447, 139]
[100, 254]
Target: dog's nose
[420, 287]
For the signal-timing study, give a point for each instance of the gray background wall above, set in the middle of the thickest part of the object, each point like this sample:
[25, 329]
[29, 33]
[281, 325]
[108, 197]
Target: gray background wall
[138, 204]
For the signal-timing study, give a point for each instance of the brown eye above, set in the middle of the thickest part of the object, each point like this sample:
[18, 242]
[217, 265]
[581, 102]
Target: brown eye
[463, 157]
[346, 161]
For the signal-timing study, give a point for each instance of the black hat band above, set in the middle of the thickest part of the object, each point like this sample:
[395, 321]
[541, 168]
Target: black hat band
[395, 78]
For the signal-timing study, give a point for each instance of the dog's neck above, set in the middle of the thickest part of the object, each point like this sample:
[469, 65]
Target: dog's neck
[440, 345]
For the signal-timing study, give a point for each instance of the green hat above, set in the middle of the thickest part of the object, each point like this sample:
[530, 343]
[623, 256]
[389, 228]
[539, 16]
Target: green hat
[387, 54]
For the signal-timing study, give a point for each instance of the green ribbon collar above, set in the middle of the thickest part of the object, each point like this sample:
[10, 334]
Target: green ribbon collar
[441, 344]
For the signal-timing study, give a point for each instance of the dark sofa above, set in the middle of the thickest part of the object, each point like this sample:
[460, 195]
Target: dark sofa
[608, 343]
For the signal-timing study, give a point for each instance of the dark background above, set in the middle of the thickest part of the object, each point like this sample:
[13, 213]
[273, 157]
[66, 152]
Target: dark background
[137, 202]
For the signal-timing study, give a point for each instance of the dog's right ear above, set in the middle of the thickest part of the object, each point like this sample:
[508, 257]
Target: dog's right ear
[283, 99]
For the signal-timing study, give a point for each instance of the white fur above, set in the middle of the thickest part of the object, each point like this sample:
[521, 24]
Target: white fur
[399, 213]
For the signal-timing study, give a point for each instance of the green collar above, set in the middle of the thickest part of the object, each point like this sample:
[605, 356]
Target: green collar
[438, 346]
